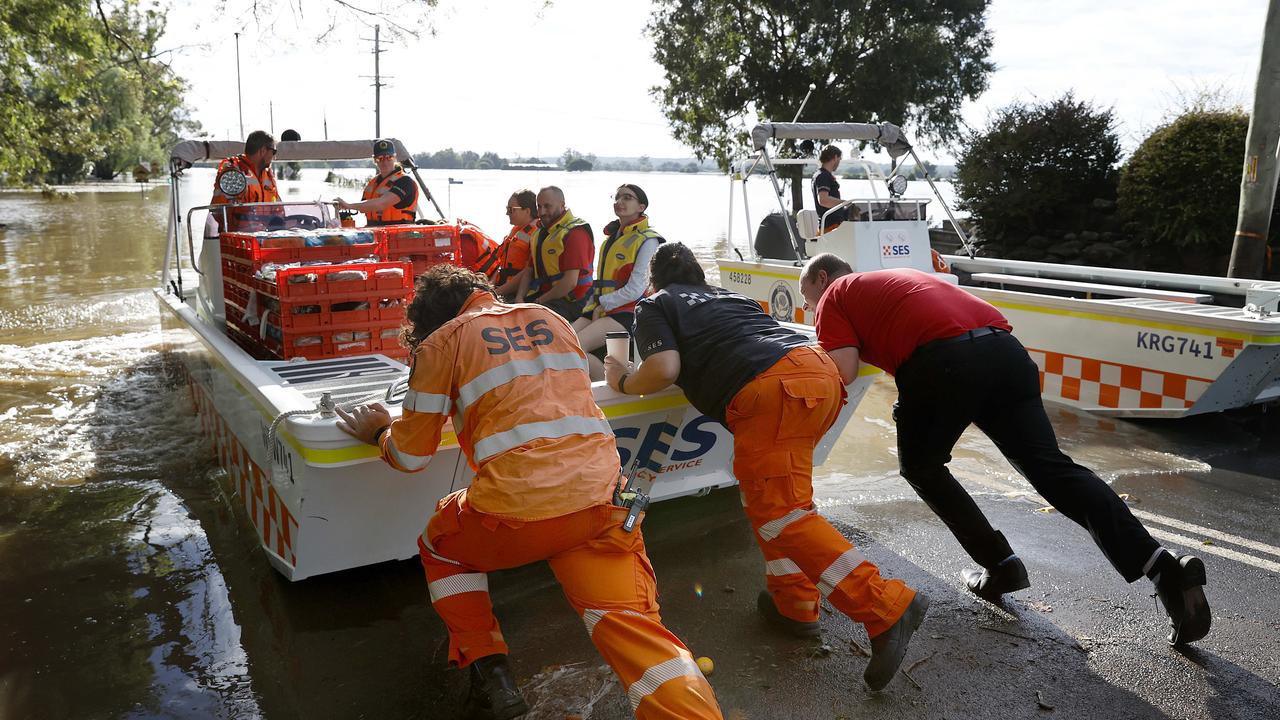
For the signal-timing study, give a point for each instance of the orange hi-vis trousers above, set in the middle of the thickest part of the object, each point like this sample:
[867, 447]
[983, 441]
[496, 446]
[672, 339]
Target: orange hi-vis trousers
[606, 576]
[777, 420]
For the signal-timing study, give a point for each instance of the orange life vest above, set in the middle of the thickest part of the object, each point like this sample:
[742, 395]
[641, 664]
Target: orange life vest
[513, 254]
[379, 186]
[259, 188]
[514, 380]
[479, 251]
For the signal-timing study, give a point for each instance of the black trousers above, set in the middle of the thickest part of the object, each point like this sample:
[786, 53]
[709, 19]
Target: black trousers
[990, 381]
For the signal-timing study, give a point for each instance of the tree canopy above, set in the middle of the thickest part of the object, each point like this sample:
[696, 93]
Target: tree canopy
[729, 63]
[1038, 167]
[84, 86]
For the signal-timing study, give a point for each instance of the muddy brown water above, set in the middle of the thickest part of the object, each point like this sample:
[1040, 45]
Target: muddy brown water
[129, 587]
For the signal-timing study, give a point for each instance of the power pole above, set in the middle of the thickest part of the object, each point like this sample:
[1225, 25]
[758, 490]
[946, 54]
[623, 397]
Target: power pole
[377, 80]
[1258, 183]
[271, 113]
[239, 97]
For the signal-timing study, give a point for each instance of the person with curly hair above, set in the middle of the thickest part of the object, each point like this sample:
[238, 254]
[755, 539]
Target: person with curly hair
[513, 380]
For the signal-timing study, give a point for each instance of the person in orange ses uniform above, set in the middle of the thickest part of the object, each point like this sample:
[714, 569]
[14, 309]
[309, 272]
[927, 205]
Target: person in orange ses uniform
[778, 394]
[513, 379]
[260, 187]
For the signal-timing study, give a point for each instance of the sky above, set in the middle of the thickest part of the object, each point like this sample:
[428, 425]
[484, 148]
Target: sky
[524, 78]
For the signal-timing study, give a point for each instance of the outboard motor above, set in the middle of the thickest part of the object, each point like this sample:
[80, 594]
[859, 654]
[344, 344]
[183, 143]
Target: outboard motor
[772, 239]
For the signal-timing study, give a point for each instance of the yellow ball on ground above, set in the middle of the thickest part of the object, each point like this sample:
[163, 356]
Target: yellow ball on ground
[705, 665]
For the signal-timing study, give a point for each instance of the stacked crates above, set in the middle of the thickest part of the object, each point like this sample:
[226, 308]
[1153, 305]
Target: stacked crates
[422, 245]
[329, 307]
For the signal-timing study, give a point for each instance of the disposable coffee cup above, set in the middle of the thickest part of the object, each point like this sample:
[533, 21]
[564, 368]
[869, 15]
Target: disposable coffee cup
[617, 344]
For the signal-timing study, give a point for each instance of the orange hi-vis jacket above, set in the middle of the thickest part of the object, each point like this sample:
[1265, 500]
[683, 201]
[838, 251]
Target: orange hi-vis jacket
[379, 186]
[259, 187]
[513, 253]
[515, 382]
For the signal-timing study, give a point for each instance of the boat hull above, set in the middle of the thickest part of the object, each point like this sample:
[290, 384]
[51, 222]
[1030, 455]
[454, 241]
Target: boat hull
[320, 502]
[1128, 357]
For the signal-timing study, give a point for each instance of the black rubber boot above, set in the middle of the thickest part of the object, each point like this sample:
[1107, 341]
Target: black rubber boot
[889, 647]
[1006, 577]
[797, 628]
[494, 694]
[1180, 587]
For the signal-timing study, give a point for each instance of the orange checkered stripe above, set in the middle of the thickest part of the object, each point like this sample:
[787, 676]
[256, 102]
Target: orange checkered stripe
[1096, 383]
[271, 518]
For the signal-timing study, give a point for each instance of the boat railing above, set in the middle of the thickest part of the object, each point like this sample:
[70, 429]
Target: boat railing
[322, 219]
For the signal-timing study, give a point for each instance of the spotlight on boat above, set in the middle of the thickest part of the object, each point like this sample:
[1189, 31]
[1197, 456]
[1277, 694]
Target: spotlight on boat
[897, 185]
[232, 182]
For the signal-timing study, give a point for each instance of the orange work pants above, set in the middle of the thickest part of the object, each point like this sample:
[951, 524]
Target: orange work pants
[604, 573]
[777, 420]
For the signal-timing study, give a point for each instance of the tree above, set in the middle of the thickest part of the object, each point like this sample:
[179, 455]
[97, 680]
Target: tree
[1038, 168]
[728, 63]
[1179, 192]
[84, 85]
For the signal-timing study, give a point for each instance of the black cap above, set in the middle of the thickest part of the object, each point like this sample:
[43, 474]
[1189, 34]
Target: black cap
[383, 147]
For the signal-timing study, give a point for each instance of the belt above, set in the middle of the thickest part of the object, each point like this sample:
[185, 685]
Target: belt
[962, 337]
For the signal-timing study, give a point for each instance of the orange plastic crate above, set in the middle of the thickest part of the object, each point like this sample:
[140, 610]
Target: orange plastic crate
[247, 248]
[439, 243]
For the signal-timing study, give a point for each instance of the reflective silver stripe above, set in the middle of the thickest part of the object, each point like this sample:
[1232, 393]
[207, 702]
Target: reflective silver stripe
[431, 549]
[427, 402]
[774, 528]
[521, 434]
[591, 617]
[743, 496]
[839, 570]
[458, 584]
[404, 459]
[503, 374]
[785, 566]
[682, 666]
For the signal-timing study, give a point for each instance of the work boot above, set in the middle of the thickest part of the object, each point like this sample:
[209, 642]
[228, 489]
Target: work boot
[889, 647]
[1180, 586]
[797, 628]
[493, 694]
[1006, 577]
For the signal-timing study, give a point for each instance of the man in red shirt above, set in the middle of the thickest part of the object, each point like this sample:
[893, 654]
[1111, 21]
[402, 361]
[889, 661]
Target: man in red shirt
[956, 362]
[562, 256]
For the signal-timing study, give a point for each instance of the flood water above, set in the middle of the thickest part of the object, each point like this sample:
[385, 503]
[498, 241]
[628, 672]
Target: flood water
[130, 588]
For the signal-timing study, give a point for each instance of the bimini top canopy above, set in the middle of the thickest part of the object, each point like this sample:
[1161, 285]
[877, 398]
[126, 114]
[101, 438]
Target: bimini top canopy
[189, 152]
[888, 135]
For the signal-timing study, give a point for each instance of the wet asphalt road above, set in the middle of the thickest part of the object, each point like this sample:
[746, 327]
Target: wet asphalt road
[1079, 643]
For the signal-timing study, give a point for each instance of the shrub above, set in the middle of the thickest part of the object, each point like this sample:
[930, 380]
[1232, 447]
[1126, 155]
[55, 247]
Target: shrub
[1037, 169]
[1181, 189]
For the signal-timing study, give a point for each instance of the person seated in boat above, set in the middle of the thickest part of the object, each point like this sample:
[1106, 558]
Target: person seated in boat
[778, 395]
[826, 189]
[513, 254]
[622, 275]
[259, 187]
[562, 255]
[956, 363]
[513, 380]
[391, 196]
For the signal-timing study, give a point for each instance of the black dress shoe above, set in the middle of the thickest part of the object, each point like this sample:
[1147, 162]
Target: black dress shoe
[493, 694]
[1006, 577]
[796, 628]
[1181, 590]
[889, 647]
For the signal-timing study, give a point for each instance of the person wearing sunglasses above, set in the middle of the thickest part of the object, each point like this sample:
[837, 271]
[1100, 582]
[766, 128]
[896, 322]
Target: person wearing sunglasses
[513, 254]
[259, 186]
[622, 274]
[390, 197]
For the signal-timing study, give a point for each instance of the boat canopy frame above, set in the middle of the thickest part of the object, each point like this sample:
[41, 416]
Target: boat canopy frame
[886, 135]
